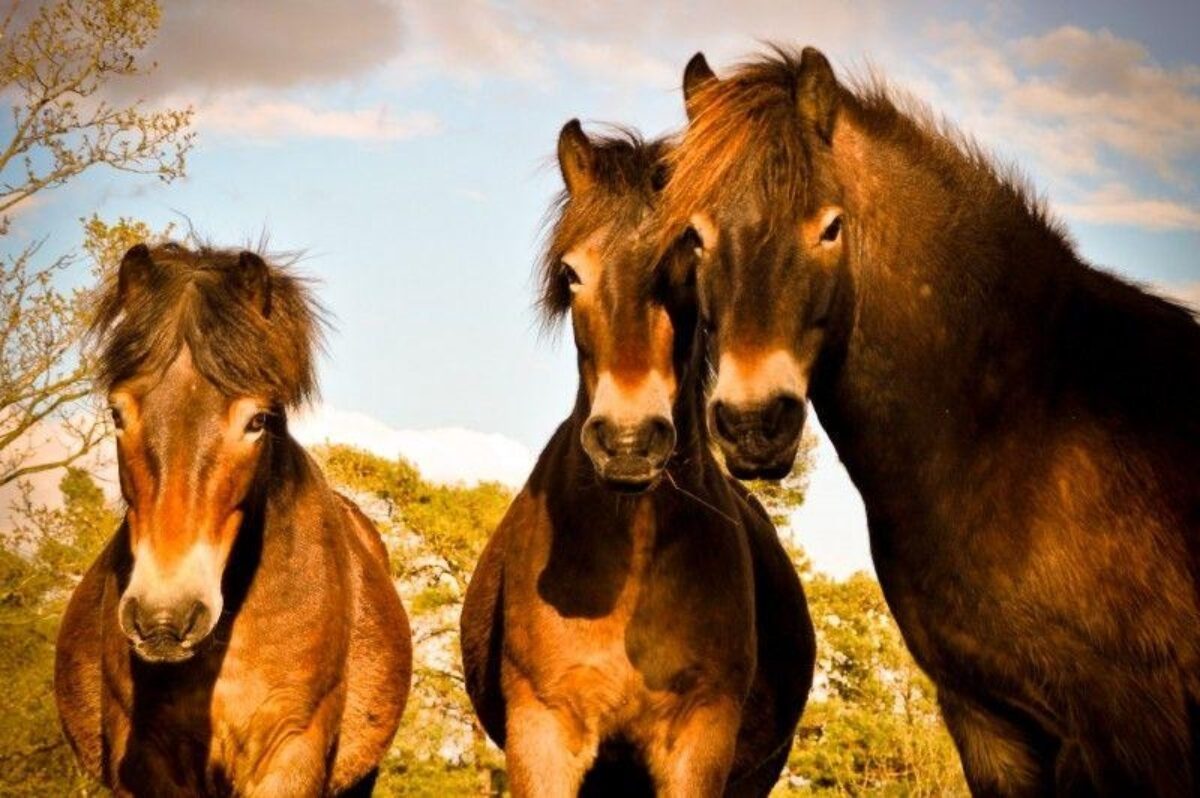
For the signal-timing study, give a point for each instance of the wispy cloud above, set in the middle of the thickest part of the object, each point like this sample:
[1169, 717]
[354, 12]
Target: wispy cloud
[250, 117]
[1115, 203]
[238, 64]
[1110, 127]
[620, 62]
[472, 40]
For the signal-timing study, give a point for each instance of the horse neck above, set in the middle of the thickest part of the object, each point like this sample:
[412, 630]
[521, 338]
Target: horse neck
[950, 282]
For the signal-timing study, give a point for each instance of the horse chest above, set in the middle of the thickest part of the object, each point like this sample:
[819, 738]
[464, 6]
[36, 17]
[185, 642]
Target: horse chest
[624, 667]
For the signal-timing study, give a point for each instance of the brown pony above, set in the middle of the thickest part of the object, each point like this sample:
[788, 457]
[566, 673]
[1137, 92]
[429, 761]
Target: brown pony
[240, 634]
[634, 615]
[1024, 429]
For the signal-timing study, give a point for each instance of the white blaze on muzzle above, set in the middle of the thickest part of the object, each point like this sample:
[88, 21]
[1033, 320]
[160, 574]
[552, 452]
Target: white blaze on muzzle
[623, 404]
[196, 576]
[743, 382]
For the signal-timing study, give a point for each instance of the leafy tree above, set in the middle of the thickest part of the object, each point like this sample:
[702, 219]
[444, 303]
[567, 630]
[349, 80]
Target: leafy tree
[58, 61]
[34, 586]
[872, 725]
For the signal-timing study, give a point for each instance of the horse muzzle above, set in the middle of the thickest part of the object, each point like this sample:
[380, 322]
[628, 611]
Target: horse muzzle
[165, 634]
[759, 441]
[629, 457]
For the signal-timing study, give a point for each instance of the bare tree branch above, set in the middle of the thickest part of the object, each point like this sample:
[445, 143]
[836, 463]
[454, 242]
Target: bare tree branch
[57, 64]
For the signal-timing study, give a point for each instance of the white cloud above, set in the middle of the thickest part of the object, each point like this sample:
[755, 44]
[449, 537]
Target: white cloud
[473, 194]
[447, 455]
[1091, 112]
[1102, 93]
[471, 40]
[221, 45]
[252, 117]
[1117, 204]
[620, 62]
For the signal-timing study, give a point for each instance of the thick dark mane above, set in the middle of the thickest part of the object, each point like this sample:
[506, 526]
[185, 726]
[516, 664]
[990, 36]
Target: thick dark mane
[749, 139]
[627, 172]
[197, 299]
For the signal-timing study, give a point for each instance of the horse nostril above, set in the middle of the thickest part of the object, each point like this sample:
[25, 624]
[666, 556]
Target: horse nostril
[784, 418]
[600, 434]
[658, 438]
[723, 421]
[196, 619]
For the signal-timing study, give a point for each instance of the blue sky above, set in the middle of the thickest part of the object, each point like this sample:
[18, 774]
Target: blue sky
[404, 147]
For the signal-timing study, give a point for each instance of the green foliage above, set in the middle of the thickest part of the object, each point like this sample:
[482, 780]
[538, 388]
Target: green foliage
[59, 545]
[872, 725]
[396, 482]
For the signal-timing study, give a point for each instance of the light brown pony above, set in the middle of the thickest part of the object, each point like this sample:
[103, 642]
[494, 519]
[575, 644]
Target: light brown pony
[634, 625]
[240, 634]
[1024, 428]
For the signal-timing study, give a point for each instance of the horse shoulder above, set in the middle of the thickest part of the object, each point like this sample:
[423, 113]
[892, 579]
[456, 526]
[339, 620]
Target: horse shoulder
[78, 680]
[379, 658]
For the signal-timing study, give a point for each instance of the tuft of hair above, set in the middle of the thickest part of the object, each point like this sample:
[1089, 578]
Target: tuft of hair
[245, 344]
[749, 139]
[628, 172]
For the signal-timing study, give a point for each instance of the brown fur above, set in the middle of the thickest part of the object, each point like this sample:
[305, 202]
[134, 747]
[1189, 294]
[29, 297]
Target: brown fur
[607, 634]
[1022, 426]
[299, 687]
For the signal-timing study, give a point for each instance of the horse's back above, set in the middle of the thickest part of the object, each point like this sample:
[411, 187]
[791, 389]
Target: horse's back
[379, 662]
[77, 665]
[786, 657]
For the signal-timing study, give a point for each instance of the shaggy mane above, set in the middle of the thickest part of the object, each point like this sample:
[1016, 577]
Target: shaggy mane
[750, 140]
[196, 299]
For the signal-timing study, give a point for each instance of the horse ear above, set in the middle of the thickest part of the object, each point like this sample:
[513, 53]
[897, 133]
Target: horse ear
[576, 158]
[696, 75]
[136, 273]
[818, 92]
[254, 278]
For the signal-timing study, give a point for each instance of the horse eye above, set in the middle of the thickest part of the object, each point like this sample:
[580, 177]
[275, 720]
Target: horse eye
[256, 423]
[117, 419]
[831, 232]
[570, 274]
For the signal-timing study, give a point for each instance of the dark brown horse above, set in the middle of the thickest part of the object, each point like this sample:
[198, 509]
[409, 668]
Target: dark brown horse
[239, 634]
[634, 614]
[1024, 429]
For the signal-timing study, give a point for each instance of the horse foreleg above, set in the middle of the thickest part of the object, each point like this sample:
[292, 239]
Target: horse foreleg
[693, 755]
[297, 767]
[548, 750]
[1000, 759]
